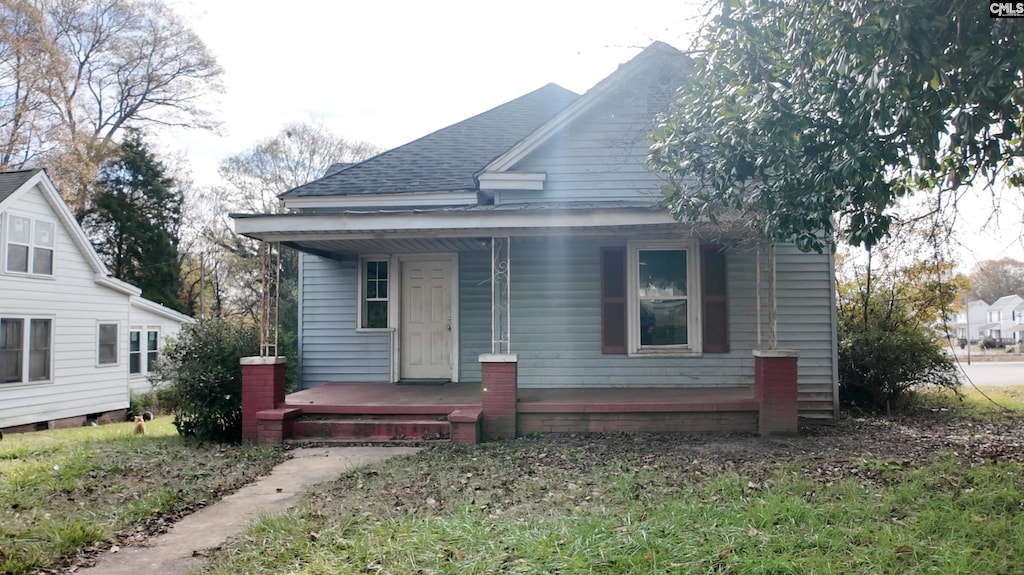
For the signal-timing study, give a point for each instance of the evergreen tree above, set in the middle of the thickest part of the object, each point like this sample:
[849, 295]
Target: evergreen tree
[134, 221]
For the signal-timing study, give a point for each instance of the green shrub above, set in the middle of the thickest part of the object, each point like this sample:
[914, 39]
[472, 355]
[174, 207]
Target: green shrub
[203, 378]
[139, 402]
[877, 368]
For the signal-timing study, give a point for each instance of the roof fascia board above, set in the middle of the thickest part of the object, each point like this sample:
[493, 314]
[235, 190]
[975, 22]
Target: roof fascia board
[117, 285]
[161, 310]
[467, 198]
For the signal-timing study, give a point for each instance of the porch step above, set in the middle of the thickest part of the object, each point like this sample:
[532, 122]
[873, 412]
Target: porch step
[378, 428]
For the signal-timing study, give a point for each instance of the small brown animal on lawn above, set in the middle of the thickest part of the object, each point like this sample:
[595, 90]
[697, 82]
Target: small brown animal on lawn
[140, 425]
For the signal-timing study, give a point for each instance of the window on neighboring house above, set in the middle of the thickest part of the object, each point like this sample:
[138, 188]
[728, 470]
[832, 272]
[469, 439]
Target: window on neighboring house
[25, 356]
[152, 351]
[107, 352]
[375, 290]
[134, 351]
[142, 359]
[662, 297]
[30, 245]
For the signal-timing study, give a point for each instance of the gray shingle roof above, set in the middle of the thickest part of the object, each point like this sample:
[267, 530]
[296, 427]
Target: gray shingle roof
[11, 181]
[448, 159]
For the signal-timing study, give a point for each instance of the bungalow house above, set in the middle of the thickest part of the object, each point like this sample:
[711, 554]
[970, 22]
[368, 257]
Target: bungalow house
[73, 339]
[530, 244]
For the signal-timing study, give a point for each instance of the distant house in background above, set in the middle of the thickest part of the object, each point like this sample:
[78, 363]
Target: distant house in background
[966, 325]
[73, 339]
[1004, 314]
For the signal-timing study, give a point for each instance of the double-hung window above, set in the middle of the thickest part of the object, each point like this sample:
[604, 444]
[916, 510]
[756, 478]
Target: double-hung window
[29, 245]
[663, 298]
[663, 311]
[26, 346]
[106, 353]
[374, 293]
[143, 349]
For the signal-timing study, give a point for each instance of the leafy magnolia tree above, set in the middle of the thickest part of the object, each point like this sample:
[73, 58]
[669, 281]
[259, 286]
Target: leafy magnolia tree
[993, 279]
[74, 74]
[891, 303]
[134, 221]
[809, 119]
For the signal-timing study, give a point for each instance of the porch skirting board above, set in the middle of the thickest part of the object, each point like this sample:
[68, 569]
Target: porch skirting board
[663, 422]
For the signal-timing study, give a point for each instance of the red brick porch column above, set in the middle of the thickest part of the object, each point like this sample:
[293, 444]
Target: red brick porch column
[262, 388]
[499, 373]
[775, 389]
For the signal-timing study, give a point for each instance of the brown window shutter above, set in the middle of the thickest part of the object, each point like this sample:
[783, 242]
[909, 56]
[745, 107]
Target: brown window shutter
[613, 300]
[716, 316]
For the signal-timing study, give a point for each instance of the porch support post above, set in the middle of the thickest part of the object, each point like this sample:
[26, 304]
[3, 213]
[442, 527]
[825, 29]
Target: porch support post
[262, 389]
[501, 337]
[775, 377]
[499, 374]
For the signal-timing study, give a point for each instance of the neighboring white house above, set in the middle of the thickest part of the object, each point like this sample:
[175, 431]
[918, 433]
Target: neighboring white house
[1004, 313]
[967, 324]
[73, 339]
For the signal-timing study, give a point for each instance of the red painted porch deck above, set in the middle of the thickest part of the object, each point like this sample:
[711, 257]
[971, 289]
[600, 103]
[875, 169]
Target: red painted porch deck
[387, 398]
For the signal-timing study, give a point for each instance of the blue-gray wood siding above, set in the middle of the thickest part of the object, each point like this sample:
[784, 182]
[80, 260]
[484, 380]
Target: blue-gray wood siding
[474, 312]
[599, 157]
[556, 327]
[556, 323]
[806, 323]
[330, 346]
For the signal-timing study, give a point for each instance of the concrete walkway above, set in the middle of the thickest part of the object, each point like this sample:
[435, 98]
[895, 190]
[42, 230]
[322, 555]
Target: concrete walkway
[185, 546]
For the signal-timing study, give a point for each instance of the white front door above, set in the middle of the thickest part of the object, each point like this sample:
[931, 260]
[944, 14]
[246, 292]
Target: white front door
[426, 329]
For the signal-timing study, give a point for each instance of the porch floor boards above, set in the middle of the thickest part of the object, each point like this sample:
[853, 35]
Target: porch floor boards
[386, 398]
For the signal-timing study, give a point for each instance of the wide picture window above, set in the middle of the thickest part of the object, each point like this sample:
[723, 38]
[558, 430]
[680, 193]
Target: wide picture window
[25, 349]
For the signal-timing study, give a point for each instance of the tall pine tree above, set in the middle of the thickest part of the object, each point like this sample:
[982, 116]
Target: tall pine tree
[134, 221]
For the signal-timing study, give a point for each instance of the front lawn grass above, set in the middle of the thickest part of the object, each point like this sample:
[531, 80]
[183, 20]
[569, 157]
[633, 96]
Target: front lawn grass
[650, 504]
[65, 491]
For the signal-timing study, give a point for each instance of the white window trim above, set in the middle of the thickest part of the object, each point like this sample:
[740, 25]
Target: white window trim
[5, 225]
[693, 307]
[26, 351]
[118, 348]
[361, 292]
[143, 349]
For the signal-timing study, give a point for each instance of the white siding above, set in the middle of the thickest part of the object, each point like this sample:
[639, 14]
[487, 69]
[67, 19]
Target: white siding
[77, 304]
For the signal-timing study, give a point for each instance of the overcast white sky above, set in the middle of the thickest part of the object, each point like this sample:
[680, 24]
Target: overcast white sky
[389, 72]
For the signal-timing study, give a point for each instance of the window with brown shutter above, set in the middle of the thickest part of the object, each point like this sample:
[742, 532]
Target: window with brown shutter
[613, 300]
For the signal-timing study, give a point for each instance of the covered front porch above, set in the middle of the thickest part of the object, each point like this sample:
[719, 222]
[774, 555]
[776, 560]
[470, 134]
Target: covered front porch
[498, 408]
